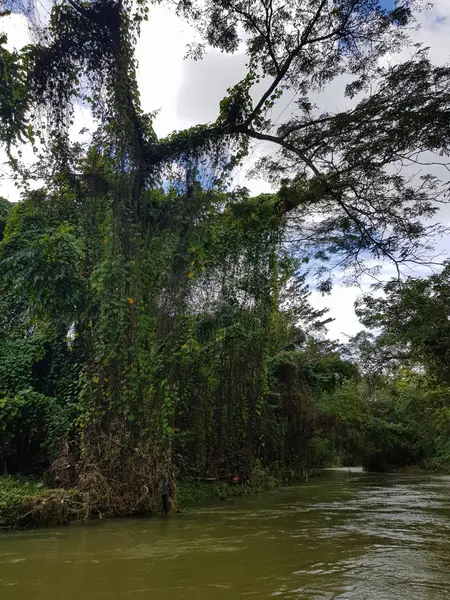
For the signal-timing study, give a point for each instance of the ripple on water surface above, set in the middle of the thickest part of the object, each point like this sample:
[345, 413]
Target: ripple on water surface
[344, 536]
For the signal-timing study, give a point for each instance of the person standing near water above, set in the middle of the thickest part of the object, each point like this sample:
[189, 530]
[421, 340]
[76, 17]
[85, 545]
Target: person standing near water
[165, 497]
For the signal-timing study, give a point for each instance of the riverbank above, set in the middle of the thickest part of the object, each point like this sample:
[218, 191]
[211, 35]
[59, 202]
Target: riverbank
[192, 492]
[26, 503]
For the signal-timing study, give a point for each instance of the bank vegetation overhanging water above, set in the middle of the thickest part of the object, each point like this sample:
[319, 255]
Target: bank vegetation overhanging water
[28, 503]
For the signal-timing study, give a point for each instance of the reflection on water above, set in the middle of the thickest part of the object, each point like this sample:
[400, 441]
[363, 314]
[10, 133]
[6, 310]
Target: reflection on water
[346, 535]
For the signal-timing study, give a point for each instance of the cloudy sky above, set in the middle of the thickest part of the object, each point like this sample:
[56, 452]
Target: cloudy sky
[187, 92]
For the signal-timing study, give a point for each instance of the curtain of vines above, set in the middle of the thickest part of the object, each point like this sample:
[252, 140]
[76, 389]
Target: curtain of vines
[176, 330]
[222, 362]
[171, 291]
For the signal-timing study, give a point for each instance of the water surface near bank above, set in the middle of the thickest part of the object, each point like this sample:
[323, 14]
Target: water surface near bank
[349, 535]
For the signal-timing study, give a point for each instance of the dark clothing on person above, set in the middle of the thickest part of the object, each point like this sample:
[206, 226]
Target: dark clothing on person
[165, 497]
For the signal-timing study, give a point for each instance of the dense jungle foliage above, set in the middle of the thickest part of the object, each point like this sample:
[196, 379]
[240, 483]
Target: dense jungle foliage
[155, 320]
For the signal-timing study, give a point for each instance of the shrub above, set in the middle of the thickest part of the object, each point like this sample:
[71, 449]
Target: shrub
[32, 427]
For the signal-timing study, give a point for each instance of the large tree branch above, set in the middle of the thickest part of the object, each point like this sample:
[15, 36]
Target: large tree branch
[365, 234]
[283, 70]
[268, 24]
[82, 10]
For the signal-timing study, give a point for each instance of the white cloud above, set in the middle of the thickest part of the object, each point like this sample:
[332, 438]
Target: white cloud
[340, 304]
[160, 53]
[17, 29]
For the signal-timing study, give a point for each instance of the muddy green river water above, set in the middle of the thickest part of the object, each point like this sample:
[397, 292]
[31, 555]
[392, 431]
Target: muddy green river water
[343, 535]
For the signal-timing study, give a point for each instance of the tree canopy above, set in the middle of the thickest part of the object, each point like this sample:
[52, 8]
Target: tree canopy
[335, 167]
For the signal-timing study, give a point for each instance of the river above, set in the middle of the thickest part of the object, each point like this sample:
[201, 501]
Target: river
[344, 535]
